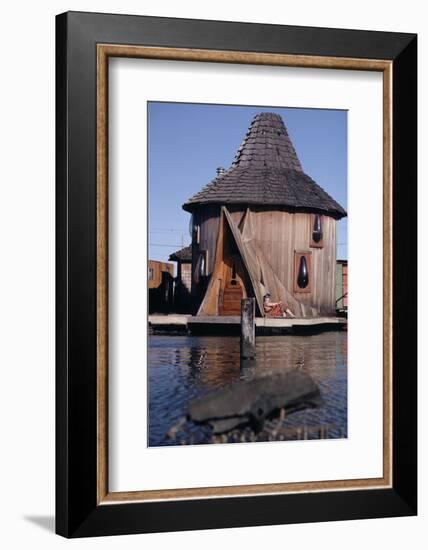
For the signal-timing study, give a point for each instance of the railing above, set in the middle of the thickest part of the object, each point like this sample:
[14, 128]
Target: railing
[341, 298]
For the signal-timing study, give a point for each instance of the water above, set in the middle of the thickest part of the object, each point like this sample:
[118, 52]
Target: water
[184, 367]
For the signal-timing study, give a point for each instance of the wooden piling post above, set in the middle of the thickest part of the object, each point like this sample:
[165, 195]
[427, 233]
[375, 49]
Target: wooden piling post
[248, 328]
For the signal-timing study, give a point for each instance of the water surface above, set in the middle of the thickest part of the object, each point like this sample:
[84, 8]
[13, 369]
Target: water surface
[185, 367]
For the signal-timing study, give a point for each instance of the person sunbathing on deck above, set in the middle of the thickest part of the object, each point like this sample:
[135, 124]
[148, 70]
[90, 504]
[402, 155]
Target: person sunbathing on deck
[275, 309]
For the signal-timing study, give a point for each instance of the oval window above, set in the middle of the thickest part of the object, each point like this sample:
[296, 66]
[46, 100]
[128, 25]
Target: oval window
[317, 229]
[202, 265]
[197, 273]
[191, 226]
[303, 274]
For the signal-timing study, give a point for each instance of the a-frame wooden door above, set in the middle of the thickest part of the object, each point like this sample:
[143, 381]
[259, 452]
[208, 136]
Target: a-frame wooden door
[231, 294]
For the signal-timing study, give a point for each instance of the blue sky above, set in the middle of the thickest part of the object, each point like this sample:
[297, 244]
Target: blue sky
[187, 142]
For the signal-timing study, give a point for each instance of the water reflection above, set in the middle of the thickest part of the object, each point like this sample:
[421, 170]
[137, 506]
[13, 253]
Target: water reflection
[184, 367]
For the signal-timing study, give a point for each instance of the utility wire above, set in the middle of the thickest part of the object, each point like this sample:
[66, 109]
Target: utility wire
[162, 244]
[168, 231]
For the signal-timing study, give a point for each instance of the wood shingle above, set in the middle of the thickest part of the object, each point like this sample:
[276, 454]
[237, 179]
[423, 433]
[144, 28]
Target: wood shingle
[182, 255]
[267, 171]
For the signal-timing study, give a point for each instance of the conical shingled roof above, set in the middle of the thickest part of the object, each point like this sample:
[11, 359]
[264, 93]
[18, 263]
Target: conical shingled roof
[266, 171]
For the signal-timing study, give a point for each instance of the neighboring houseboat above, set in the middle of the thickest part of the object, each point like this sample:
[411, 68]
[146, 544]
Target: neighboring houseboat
[264, 226]
[183, 279]
[160, 283]
[342, 287]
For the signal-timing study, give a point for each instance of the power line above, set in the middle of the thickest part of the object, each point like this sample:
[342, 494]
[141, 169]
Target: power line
[167, 230]
[163, 244]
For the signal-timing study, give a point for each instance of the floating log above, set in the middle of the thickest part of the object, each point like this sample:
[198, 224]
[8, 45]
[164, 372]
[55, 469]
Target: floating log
[251, 402]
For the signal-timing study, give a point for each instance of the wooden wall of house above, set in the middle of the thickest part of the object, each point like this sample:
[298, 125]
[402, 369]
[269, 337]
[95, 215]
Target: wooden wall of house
[279, 234]
[155, 270]
[186, 275]
[342, 285]
[183, 284]
[207, 219]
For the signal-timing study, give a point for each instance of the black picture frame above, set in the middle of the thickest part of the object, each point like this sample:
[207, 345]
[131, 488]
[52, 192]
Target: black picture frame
[77, 511]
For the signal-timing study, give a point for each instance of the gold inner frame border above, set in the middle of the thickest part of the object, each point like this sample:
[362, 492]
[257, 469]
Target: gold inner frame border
[104, 52]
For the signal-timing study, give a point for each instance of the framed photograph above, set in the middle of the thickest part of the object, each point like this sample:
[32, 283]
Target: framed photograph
[236, 274]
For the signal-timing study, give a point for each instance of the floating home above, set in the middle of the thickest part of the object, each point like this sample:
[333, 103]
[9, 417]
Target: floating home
[160, 286]
[261, 226]
[342, 287]
[183, 279]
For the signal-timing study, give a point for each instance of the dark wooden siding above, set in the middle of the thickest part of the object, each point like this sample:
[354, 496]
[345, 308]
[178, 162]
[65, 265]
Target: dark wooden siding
[160, 286]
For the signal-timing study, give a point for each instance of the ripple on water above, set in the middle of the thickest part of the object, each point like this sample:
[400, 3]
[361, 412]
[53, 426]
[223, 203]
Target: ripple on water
[184, 367]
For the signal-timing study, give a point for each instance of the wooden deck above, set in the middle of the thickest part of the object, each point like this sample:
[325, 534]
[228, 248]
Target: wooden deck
[263, 324]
